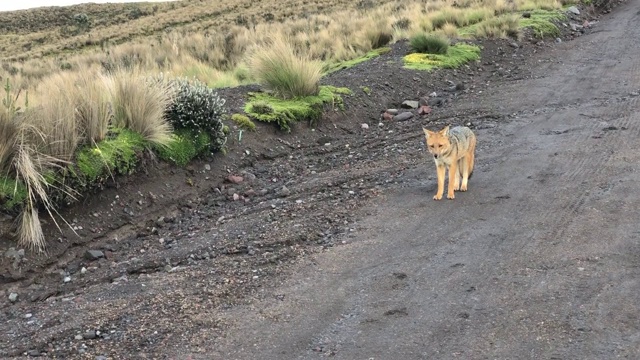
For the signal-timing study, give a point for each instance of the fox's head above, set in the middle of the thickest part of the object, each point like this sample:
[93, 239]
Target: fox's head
[438, 142]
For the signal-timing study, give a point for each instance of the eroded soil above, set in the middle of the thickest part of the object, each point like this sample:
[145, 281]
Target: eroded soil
[333, 246]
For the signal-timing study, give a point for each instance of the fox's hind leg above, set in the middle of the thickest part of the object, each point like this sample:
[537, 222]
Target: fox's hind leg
[464, 169]
[458, 176]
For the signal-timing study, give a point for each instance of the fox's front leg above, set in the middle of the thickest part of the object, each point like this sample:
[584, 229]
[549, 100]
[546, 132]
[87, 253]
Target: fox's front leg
[453, 173]
[441, 171]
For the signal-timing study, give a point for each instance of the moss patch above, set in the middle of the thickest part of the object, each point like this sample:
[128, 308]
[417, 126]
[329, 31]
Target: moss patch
[185, 146]
[333, 67]
[243, 122]
[12, 194]
[267, 108]
[457, 55]
[116, 154]
[542, 24]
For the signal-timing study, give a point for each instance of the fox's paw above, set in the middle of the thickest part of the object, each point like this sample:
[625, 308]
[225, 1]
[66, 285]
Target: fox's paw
[451, 196]
[437, 197]
[463, 188]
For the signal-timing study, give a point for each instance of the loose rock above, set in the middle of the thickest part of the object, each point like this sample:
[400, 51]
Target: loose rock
[573, 10]
[284, 192]
[403, 116]
[235, 179]
[13, 297]
[93, 254]
[410, 104]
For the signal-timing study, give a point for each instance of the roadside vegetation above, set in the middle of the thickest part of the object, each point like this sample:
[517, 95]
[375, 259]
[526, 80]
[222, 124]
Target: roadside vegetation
[79, 108]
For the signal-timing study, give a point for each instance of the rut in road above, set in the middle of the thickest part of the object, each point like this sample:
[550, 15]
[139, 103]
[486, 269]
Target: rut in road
[540, 259]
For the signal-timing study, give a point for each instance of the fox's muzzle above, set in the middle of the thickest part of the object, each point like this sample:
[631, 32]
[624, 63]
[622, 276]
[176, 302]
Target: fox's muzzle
[435, 156]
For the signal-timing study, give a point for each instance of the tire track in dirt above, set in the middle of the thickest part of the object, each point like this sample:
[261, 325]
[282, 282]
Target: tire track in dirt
[513, 296]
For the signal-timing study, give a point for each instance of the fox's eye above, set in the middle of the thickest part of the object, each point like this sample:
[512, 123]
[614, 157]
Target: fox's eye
[440, 145]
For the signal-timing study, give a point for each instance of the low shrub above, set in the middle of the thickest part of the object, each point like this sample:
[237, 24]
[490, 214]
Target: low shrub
[197, 108]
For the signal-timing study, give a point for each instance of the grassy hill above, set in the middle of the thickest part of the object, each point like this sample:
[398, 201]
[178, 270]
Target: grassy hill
[33, 33]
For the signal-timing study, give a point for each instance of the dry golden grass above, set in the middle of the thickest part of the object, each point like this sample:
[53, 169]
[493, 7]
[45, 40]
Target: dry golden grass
[140, 105]
[277, 67]
[326, 30]
[8, 133]
[87, 78]
[30, 166]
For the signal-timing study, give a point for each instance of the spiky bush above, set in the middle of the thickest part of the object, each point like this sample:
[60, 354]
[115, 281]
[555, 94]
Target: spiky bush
[198, 108]
[429, 43]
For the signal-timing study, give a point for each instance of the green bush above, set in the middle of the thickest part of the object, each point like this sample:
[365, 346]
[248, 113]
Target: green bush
[429, 44]
[198, 108]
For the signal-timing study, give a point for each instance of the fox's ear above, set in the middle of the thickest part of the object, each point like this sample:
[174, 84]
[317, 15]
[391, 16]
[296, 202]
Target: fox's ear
[445, 131]
[427, 132]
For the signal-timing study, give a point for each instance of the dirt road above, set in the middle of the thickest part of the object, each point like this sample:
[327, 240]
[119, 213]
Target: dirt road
[332, 246]
[539, 260]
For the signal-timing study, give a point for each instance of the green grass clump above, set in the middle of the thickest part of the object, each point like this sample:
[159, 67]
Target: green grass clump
[267, 108]
[184, 146]
[116, 154]
[542, 24]
[243, 122]
[429, 43]
[333, 67]
[457, 55]
[13, 194]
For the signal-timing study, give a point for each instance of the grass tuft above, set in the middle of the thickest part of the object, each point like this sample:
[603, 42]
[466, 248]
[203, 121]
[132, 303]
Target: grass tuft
[140, 105]
[507, 26]
[429, 44]
[288, 75]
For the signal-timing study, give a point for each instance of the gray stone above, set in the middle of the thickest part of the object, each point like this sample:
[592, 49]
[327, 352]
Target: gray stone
[91, 334]
[93, 254]
[573, 10]
[392, 111]
[284, 192]
[403, 116]
[410, 104]
[13, 297]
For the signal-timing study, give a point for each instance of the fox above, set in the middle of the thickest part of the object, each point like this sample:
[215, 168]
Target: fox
[452, 148]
